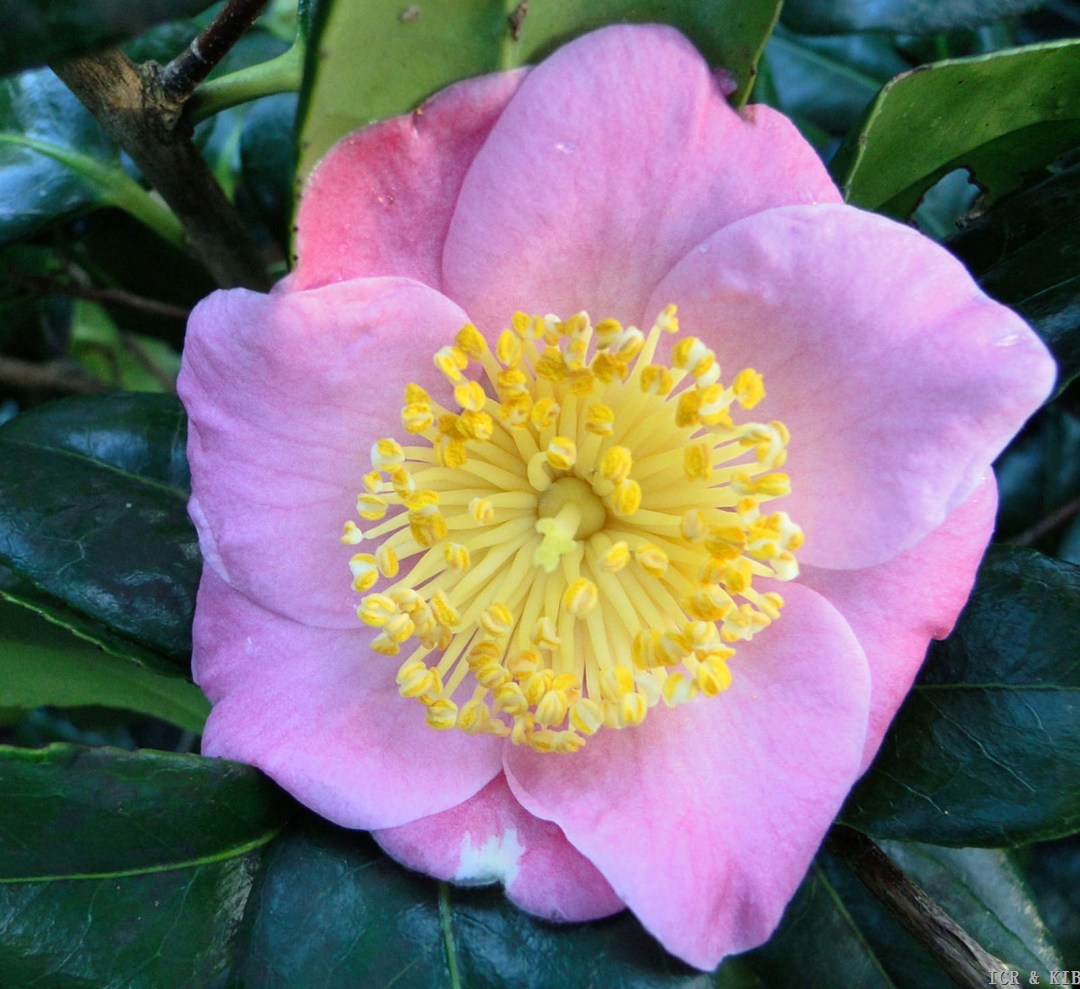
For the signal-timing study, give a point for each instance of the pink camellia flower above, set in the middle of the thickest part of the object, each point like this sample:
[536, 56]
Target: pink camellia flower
[630, 609]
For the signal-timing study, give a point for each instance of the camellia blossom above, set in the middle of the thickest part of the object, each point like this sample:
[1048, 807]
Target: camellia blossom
[577, 513]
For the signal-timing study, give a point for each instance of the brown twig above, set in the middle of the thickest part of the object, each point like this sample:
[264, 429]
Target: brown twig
[104, 296]
[183, 74]
[57, 376]
[136, 349]
[1047, 525]
[128, 102]
[960, 956]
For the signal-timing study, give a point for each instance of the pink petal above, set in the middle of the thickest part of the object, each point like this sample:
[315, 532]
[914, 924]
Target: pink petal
[705, 818]
[380, 202]
[286, 394]
[320, 713]
[616, 156]
[899, 380]
[896, 608]
[492, 838]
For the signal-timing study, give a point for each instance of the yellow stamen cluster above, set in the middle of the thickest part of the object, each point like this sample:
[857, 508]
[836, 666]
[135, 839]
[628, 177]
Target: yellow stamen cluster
[581, 532]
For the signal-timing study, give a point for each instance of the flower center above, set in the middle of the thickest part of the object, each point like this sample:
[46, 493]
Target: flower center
[583, 533]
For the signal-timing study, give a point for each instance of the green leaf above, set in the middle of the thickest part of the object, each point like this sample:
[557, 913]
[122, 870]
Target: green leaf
[370, 60]
[1001, 116]
[42, 664]
[329, 909]
[126, 868]
[36, 31]
[902, 16]
[1023, 252]
[986, 749]
[93, 513]
[56, 160]
[1054, 874]
[122, 360]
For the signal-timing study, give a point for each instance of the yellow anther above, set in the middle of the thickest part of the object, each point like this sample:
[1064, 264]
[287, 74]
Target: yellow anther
[691, 355]
[537, 685]
[415, 679]
[524, 664]
[544, 635]
[474, 717]
[427, 527]
[477, 425]
[694, 524]
[416, 393]
[545, 413]
[470, 395]
[626, 498]
[581, 382]
[471, 341]
[451, 453]
[400, 627]
[527, 327]
[386, 454]
[371, 507]
[713, 676]
[600, 419]
[509, 697]
[445, 613]
[774, 485]
[710, 603]
[697, 461]
[749, 388]
[688, 408]
[515, 410]
[387, 560]
[632, 710]
[512, 381]
[483, 653]
[482, 511]
[451, 361]
[586, 716]
[725, 542]
[607, 332]
[351, 534]
[738, 576]
[442, 714]
[407, 599]
[402, 481]
[562, 453]
[713, 406]
[457, 556]
[652, 559]
[551, 710]
[417, 416]
[373, 482]
[678, 689]
[628, 344]
[616, 683]
[785, 566]
[377, 610]
[497, 620]
[607, 367]
[508, 348]
[615, 464]
[667, 320]
[364, 571]
[491, 675]
[384, 645]
[581, 597]
[615, 557]
[551, 365]
[656, 380]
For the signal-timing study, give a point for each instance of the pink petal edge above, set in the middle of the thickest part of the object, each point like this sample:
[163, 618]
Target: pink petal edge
[705, 818]
[492, 838]
[619, 146]
[320, 713]
[286, 394]
[892, 431]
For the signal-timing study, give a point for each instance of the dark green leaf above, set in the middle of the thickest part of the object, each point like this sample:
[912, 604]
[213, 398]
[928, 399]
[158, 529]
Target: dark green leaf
[986, 749]
[55, 160]
[1001, 116]
[93, 512]
[1054, 874]
[1024, 253]
[125, 868]
[266, 163]
[329, 909]
[36, 31]
[904, 16]
[411, 51]
[43, 664]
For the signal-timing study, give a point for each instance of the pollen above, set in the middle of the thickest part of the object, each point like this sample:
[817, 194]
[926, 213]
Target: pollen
[572, 530]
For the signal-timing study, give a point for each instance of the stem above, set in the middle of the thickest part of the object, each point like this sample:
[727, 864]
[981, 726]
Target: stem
[183, 74]
[130, 106]
[961, 957]
[48, 377]
[1047, 525]
[104, 296]
[278, 75]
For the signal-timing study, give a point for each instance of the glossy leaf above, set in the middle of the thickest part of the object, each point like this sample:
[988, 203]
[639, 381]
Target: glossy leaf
[36, 31]
[55, 160]
[329, 910]
[1001, 116]
[1024, 251]
[1054, 874]
[371, 60]
[986, 749]
[44, 664]
[126, 868]
[93, 513]
[903, 16]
